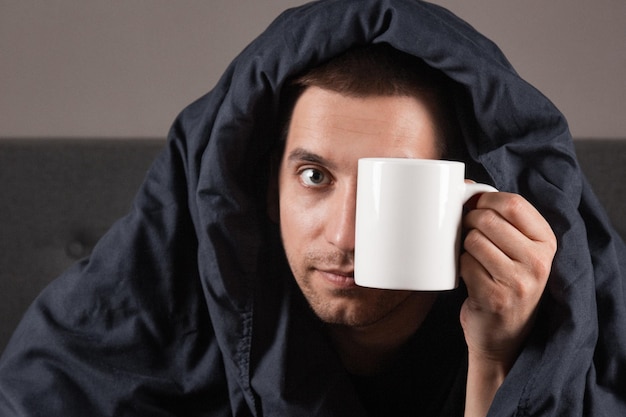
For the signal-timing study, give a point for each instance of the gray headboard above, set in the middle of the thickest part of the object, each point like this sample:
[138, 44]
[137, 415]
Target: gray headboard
[58, 196]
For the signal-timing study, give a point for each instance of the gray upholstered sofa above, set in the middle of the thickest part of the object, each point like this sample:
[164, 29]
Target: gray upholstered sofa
[57, 197]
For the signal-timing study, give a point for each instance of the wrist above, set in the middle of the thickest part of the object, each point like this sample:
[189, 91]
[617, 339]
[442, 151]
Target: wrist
[485, 375]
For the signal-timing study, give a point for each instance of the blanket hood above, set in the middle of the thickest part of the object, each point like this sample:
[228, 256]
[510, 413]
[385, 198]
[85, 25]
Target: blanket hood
[198, 239]
[513, 134]
[515, 138]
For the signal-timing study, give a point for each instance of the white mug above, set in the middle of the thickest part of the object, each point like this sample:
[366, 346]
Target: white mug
[408, 223]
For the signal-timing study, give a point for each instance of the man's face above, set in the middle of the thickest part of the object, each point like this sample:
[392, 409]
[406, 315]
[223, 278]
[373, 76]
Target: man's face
[317, 192]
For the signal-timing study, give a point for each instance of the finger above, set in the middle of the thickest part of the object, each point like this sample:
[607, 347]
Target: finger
[474, 274]
[489, 233]
[519, 212]
[496, 262]
[500, 287]
[504, 251]
[482, 289]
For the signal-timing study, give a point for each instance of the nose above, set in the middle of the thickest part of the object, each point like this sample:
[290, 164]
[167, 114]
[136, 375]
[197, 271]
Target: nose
[340, 227]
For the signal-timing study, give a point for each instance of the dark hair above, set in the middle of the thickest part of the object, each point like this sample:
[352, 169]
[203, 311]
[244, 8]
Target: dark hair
[379, 69]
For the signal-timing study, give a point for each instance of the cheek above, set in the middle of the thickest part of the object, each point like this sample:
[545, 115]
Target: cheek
[300, 224]
[293, 224]
[294, 234]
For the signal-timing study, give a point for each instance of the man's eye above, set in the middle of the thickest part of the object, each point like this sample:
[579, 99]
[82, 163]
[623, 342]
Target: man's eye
[313, 177]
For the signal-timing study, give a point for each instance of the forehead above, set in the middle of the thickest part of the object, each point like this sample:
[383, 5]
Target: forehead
[332, 123]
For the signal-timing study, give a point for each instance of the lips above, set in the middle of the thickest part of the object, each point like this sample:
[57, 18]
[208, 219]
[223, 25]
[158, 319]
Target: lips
[339, 278]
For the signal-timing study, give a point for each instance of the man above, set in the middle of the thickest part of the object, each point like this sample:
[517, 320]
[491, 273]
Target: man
[374, 102]
[189, 307]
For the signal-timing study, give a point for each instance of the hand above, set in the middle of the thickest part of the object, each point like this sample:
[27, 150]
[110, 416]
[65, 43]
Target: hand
[509, 250]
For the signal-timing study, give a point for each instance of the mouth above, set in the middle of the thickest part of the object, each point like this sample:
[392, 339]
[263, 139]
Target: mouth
[338, 278]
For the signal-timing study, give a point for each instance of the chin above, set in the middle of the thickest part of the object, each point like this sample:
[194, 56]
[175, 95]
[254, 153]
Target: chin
[354, 306]
[345, 314]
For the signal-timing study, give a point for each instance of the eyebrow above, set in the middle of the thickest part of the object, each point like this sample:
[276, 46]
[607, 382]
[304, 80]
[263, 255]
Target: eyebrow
[301, 154]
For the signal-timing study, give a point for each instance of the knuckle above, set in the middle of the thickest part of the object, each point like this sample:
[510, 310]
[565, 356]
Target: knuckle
[473, 240]
[487, 219]
[520, 287]
[552, 244]
[514, 206]
[501, 302]
[540, 267]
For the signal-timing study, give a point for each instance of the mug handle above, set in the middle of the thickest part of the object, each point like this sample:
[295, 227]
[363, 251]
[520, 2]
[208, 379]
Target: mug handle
[473, 188]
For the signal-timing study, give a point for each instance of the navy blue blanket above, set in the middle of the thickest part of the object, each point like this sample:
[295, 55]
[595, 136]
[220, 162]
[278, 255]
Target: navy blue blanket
[187, 308]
